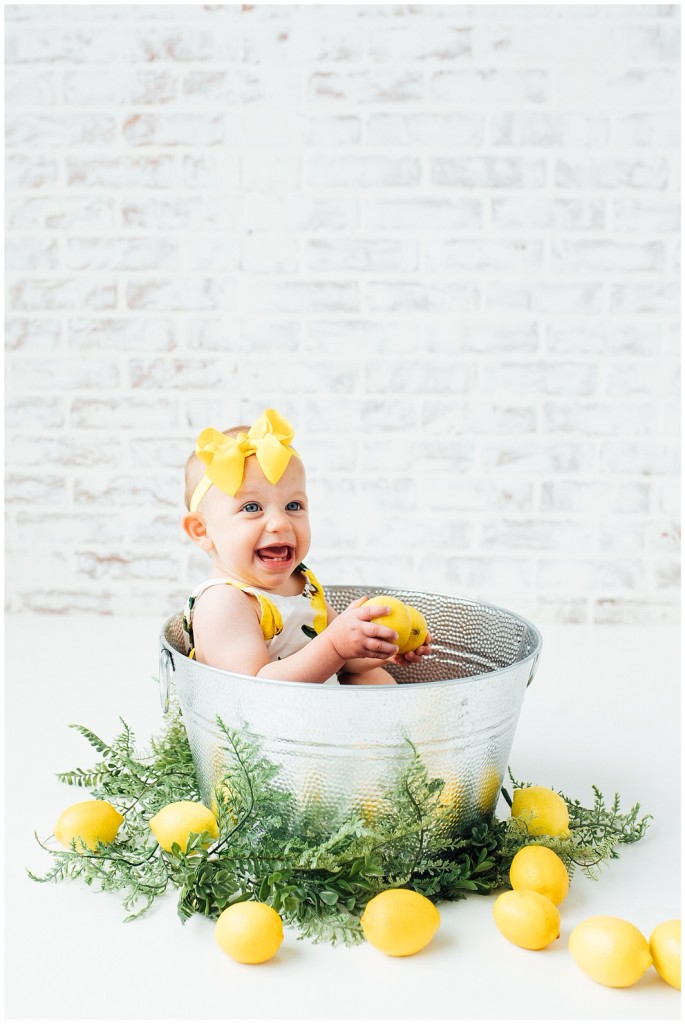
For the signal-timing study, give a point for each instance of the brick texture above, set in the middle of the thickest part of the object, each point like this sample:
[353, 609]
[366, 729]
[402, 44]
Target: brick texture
[442, 239]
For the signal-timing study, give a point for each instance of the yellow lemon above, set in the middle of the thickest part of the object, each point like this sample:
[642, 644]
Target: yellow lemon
[664, 945]
[610, 950]
[400, 922]
[369, 811]
[543, 811]
[539, 869]
[175, 822]
[90, 821]
[399, 618]
[313, 789]
[527, 918]
[450, 797]
[372, 810]
[489, 789]
[418, 631]
[249, 932]
[223, 793]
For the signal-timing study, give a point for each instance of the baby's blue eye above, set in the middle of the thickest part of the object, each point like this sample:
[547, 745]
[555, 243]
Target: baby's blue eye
[293, 506]
[251, 506]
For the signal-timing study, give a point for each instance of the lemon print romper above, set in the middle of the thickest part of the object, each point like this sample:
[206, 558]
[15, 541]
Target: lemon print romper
[288, 623]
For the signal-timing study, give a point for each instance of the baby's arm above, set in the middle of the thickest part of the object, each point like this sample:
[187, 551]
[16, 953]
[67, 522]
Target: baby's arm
[228, 636]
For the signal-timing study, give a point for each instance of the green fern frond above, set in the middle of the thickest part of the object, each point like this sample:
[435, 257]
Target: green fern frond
[95, 741]
[87, 779]
[316, 868]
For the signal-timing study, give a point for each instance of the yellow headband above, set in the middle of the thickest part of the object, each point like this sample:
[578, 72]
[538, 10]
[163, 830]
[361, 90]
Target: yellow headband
[268, 438]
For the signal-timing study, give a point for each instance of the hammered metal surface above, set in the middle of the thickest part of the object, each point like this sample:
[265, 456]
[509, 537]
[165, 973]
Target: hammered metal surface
[345, 744]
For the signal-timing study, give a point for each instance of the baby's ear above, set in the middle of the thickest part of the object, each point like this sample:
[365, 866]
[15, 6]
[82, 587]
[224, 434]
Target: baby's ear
[194, 525]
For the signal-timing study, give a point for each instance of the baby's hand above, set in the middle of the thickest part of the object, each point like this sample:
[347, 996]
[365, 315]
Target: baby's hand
[412, 657]
[354, 634]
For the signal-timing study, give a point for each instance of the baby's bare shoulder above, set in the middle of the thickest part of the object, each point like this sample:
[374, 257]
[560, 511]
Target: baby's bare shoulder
[225, 623]
[222, 600]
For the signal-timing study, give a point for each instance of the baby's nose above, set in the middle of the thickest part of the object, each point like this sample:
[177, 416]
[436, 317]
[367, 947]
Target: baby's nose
[277, 521]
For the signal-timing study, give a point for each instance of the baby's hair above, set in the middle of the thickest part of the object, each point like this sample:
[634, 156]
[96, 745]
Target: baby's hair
[195, 467]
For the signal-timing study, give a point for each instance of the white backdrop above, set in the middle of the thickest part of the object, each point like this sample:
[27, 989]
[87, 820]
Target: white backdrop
[441, 239]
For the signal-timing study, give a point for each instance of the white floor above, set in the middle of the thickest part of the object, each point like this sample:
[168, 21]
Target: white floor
[604, 709]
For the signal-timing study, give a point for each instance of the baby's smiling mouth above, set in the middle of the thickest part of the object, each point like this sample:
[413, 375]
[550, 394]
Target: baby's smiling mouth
[275, 555]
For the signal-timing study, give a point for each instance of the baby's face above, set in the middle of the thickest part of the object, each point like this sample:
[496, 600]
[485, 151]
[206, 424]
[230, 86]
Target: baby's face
[262, 534]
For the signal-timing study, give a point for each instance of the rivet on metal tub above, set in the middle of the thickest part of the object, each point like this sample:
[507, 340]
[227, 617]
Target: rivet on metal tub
[459, 708]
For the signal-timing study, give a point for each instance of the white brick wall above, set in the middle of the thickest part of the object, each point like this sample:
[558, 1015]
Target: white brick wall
[441, 239]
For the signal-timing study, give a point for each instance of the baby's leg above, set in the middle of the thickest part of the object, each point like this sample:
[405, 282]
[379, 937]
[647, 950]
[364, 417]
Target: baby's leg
[372, 677]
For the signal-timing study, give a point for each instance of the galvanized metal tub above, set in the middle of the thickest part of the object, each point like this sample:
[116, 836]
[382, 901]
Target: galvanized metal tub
[344, 745]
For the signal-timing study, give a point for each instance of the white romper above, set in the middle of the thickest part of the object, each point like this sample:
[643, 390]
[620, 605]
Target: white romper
[288, 622]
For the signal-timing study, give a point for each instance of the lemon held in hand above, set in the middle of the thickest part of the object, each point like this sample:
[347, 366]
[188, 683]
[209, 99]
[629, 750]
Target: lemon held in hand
[92, 821]
[664, 945]
[541, 870]
[543, 811]
[250, 932]
[610, 950]
[399, 618]
[400, 922]
[527, 918]
[418, 631]
[175, 822]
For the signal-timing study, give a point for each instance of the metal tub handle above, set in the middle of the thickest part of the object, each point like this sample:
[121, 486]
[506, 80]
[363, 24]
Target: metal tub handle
[166, 669]
[533, 669]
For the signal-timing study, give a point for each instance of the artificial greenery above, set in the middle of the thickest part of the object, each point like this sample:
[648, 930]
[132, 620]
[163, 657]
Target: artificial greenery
[316, 871]
[595, 831]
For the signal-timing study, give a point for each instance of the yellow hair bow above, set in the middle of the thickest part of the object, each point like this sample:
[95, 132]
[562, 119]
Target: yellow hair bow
[268, 438]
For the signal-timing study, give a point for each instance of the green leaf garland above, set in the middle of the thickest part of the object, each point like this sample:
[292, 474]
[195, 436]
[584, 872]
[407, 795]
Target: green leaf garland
[318, 876]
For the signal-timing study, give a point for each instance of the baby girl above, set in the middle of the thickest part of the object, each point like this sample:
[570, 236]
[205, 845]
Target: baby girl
[262, 612]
